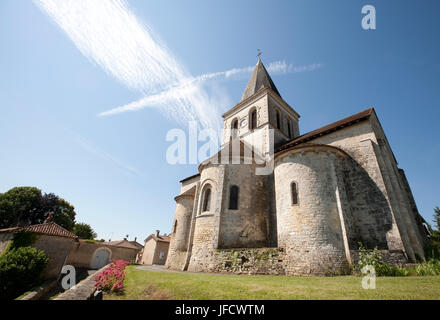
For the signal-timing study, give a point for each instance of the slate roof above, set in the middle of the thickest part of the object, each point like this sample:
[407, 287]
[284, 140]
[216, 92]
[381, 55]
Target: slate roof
[189, 178]
[260, 79]
[358, 117]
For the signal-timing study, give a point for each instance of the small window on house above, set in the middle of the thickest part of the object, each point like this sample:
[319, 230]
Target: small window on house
[234, 128]
[175, 227]
[253, 119]
[278, 120]
[294, 191]
[233, 198]
[206, 200]
[161, 255]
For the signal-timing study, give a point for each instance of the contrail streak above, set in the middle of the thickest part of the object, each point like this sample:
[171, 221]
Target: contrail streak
[109, 34]
[184, 89]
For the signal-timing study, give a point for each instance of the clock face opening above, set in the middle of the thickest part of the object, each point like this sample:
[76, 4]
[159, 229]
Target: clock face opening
[243, 123]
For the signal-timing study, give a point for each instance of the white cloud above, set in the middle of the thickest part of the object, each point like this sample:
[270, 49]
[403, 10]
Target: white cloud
[109, 34]
[185, 88]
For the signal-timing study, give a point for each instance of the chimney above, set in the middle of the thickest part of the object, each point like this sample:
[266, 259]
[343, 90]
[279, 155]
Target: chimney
[157, 233]
[135, 238]
[49, 218]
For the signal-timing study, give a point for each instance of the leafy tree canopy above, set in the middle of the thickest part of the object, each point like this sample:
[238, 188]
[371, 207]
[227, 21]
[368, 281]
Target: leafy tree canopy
[22, 206]
[437, 218]
[84, 231]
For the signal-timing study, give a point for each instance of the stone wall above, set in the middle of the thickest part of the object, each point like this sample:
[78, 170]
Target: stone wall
[360, 141]
[392, 257]
[246, 261]
[57, 249]
[206, 224]
[246, 227]
[312, 231]
[83, 252]
[148, 252]
[182, 222]
[350, 191]
[163, 247]
[83, 290]
[180, 236]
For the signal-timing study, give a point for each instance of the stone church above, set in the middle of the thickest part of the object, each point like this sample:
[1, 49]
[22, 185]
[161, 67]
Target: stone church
[329, 190]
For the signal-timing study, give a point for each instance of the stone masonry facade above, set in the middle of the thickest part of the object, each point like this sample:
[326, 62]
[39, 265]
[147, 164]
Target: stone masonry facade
[327, 191]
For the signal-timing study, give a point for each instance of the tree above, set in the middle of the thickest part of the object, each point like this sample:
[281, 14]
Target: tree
[84, 231]
[433, 248]
[22, 206]
[63, 212]
[437, 218]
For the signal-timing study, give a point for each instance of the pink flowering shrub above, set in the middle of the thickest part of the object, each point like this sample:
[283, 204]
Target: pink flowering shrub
[111, 279]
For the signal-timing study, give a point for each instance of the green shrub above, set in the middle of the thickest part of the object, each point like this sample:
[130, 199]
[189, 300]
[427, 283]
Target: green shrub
[371, 258]
[23, 239]
[20, 270]
[374, 258]
[430, 268]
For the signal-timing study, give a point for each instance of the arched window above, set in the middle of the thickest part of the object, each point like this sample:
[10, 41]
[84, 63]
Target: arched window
[289, 128]
[175, 227]
[233, 198]
[253, 119]
[278, 120]
[234, 128]
[294, 191]
[206, 200]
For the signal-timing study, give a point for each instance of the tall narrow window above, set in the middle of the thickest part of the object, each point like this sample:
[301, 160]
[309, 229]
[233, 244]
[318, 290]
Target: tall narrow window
[278, 120]
[206, 200]
[294, 191]
[289, 128]
[253, 120]
[175, 227]
[233, 198]
[234, 128]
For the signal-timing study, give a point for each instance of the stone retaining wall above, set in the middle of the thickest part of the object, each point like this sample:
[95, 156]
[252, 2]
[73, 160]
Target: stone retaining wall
[84, 290]
[268, 261]
[391, 257]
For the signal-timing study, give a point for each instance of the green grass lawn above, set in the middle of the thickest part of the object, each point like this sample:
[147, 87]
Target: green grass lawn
[142, 285]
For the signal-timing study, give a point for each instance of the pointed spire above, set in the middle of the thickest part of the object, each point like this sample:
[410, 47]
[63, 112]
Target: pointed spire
[260, 79]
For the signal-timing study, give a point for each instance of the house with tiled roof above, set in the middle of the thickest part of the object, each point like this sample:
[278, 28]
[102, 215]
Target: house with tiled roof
[126, 243]
[53, 239]
[156, 247]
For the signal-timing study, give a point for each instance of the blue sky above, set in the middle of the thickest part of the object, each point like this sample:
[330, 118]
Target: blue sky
[113, 169]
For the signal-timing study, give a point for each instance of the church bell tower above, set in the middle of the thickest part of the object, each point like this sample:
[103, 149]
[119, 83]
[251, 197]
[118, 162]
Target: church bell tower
[261, 112]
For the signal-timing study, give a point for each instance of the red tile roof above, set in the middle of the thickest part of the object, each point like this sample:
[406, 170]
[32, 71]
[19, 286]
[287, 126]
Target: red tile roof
[161, 237]
[125, 243]
[51, 229]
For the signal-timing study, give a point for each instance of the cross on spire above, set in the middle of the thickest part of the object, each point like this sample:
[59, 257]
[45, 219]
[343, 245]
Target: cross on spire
[259, 53]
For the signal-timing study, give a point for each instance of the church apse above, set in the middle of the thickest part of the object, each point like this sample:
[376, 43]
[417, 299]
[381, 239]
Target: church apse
[331, 189]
